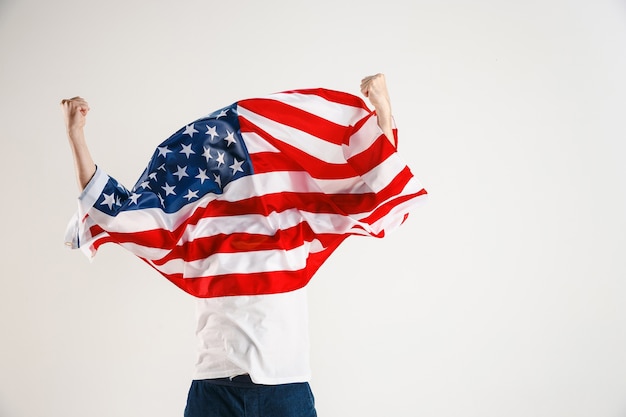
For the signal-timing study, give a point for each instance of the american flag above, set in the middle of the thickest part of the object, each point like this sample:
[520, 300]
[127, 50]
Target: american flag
[254, 197]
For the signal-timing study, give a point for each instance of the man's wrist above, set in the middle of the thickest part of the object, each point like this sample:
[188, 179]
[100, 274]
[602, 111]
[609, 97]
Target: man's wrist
[75, 130]
[76, 134]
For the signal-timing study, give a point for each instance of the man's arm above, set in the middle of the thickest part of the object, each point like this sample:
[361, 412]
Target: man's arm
[75, 112]
[374, 87]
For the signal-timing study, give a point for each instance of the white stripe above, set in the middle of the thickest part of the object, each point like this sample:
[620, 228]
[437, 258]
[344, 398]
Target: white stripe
[270, 225]
[249, 223]
[145, 251]
[341, 114]
[276, 182]
[130, 221]
[353, 185]
[316, 147]
[256, 144]
[240, 263]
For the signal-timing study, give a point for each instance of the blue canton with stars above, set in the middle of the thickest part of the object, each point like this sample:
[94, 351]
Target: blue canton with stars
[200, 158]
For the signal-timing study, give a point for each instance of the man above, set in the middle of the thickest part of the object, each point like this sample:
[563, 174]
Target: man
[253, 334]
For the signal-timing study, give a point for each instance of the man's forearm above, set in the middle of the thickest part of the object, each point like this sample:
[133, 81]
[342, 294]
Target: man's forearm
[385, 123]
[83, 162]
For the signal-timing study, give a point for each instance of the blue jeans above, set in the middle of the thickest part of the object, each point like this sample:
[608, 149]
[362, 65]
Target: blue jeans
[240, 397]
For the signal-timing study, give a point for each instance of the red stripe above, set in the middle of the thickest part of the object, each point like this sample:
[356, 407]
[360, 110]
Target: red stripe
[263, 205]
[95, 230]
[318, 202]
[377, 153]
[101, 241]
[294, 160]
[100, 235]
[385, 208]
[345, 204]
[263, 162]
[285, 239]
[298, 159]
[254, 283]
[285, 114]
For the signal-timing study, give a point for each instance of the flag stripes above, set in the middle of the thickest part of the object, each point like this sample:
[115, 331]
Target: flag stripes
[321, 171]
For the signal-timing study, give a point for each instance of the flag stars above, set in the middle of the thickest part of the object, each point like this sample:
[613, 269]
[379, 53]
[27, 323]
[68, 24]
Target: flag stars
[187, 150]
[207, 154]
[190, 130]
[212, 131]
[134, 197]
[169, 189]
[163, 150]
[191, 194]
[109, 200]
[220, 158]
[236, 166]
[230, 139]
[202, 175]
[181, 172]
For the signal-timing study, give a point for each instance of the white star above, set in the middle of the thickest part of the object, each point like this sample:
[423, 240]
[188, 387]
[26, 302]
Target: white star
[222, 114]
[207, 154]
[191, 194]
[211, 130]
[220, 158]
[218, 180]
[117, 201]
[134, 197]
[152, 176]
[236, 166]
[109, 200]
[161, 199]
[189, 130]
[182, 172]
[187, 150]
[230, 138]
[169, 189]
[163, 150]
[162, 167]
[145, 185]
[202, 175]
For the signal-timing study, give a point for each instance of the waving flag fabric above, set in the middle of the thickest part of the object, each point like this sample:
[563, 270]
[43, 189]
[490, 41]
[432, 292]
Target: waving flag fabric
[254, 197]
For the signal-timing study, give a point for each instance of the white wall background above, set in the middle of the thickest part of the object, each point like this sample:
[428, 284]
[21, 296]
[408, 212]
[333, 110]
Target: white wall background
[503, 296]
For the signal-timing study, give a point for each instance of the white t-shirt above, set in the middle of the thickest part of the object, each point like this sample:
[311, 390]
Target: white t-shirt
[265, 336]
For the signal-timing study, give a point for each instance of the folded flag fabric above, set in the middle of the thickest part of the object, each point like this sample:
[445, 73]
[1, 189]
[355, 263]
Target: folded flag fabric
[254, 197]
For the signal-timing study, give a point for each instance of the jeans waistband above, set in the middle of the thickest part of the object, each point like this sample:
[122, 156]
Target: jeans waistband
[234, 381]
